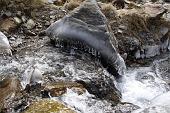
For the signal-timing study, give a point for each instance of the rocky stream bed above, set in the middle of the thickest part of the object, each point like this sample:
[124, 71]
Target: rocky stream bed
[39, 74]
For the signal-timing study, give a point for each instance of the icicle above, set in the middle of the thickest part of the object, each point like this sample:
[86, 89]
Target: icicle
[93, 52]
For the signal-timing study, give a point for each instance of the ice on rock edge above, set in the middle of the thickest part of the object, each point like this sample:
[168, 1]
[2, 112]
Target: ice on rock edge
[31, 75]
[5, 47]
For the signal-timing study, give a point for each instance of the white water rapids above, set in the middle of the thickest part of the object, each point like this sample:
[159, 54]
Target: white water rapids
[142, 86]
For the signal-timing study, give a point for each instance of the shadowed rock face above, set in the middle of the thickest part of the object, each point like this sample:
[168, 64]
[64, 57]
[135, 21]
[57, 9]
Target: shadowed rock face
[85, 28]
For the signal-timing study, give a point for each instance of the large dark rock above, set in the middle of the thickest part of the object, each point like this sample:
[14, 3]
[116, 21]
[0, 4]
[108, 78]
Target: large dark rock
[102, 89]
[86, 28]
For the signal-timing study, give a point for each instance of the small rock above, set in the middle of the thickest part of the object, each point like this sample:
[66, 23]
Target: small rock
[17, 20]
[7, 14]
[30, 33]
[47, 23]
[48, 106]
[19, 13]
[162, 68]
[24, 19]
[30, 24]
[164, 30]
[12, 39]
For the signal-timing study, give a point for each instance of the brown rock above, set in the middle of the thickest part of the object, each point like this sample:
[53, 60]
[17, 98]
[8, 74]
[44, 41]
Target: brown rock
[8, 88]
[154, 10]
[8, 24]
[59, 2]
[48, 106]
[72, 4]
[59, 88]
[120, 4]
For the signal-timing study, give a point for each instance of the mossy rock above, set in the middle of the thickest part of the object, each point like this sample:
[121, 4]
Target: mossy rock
[48, 106]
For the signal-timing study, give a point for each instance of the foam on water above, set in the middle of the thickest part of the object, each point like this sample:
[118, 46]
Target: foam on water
[85, 103]
[160, 104]
[141, 85]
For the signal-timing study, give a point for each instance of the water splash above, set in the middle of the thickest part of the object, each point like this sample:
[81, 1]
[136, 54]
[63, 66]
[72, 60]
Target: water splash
[86, 103]
[141, 85]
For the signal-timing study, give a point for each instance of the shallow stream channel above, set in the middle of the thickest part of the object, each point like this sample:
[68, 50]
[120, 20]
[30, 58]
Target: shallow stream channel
[144, 89]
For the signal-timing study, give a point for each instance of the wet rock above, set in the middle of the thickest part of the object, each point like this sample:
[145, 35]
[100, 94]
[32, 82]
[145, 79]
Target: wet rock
[59, 88]
[30, 24]
[125, 108]
[83, 69]
[35, 90]
[165, 42]
[147, 33]
[162, 69]
[102, 89]
[91, 22]
[8, 88]
[48, 106]
[100, 84]
[5, 47]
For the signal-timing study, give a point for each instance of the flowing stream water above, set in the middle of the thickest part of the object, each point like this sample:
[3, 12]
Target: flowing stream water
[145, 87]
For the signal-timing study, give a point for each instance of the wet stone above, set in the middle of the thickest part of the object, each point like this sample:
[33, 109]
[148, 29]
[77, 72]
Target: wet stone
[59, 88]
[125, 107]
[48, 106]
[162, 69]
